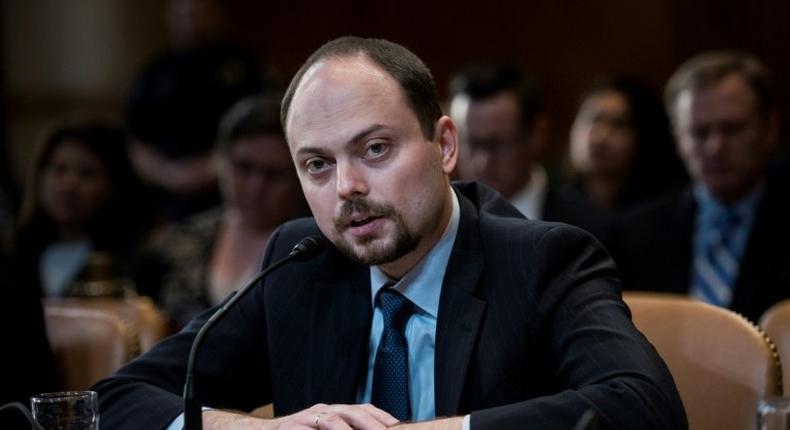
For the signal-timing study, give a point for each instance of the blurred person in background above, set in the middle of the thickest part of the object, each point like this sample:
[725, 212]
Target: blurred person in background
[200, 261]
[621, 146]
[724, 238]
[177, 100]
[503, 131]
[81, 198]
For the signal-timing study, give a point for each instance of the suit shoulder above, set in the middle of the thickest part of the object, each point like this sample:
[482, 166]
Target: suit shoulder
[516, 232]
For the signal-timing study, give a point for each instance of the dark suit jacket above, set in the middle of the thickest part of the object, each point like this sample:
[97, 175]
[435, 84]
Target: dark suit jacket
[531, 333]
[653, 248]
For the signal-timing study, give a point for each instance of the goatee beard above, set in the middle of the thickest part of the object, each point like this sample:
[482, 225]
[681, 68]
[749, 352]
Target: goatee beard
[402, 244]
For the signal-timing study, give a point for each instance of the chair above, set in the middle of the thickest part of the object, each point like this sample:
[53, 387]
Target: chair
[776, 323]
[88, 344]
[148, 321]
[722, 364]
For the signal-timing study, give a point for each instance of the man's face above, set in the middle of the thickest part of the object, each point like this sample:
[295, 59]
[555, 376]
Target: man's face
[495, 147]
[377, 186]
[722, 137]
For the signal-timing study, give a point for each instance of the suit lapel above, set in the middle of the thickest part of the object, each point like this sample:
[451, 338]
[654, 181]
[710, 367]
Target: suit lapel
[340, 328]
[460, 313]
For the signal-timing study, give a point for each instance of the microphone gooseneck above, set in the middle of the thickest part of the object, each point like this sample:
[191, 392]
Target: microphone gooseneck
[306, 248]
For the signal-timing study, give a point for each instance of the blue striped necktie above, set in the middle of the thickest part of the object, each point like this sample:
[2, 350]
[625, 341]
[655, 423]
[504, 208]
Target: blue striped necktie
[391, 368]
[716, 269]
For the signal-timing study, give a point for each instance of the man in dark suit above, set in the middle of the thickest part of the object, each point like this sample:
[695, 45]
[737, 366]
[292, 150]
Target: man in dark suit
[431, 301]
[723, 239]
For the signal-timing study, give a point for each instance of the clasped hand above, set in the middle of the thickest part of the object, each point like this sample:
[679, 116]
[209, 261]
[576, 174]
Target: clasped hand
[322, 417]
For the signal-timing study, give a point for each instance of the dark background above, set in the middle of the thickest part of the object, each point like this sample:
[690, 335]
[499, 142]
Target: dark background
[566, 43]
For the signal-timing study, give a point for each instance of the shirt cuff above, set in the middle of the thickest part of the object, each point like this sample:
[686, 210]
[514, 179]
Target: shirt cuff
[177, 424]
[464, 426]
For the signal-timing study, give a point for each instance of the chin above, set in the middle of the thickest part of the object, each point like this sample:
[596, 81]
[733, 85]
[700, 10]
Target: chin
[374, 252]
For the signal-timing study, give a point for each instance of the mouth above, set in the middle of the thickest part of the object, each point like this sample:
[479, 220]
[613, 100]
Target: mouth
[364, 225]
[358, 221]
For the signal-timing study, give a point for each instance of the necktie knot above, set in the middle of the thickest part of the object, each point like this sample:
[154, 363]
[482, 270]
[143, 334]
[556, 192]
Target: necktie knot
[395, 308]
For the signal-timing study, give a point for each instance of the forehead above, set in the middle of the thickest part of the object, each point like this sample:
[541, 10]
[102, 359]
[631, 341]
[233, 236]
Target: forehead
[729, 98]
[340, 96]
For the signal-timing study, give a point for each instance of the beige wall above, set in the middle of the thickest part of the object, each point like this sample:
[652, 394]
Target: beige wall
[64, 56]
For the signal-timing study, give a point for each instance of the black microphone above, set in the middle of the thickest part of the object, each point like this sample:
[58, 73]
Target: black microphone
[304, 250]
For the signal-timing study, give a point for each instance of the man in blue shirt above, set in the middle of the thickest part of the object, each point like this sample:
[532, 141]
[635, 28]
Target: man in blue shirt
[433, 300]
[723, 239]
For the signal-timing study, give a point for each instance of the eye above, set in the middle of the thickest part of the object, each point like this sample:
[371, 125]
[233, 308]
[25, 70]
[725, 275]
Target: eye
[316, 166]
[376, 149]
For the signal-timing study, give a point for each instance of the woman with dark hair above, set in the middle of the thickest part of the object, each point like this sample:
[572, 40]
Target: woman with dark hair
[199, 262]
[81, 198]
[621, 146]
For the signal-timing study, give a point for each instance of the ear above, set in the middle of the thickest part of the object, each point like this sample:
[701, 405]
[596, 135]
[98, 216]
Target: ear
[446, 136]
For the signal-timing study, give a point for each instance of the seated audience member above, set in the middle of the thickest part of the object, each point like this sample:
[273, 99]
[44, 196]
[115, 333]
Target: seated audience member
[82, 199]
[217, 251]
[724, 238]
[621, 147]
[428, 299]
[177, 100]
[27, 366]
[502, 131]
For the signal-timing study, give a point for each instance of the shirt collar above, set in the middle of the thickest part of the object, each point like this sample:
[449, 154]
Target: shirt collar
[529, 199]
[710, 208]
[422, 285]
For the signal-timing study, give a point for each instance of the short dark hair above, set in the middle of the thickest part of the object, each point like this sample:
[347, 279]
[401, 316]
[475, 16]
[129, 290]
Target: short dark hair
[252, 116]
[711, 67]
[482, 81]
[404, 66]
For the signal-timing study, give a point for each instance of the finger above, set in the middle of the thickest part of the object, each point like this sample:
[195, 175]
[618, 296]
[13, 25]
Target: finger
[383, 416]
[364, 417]
[332, 422]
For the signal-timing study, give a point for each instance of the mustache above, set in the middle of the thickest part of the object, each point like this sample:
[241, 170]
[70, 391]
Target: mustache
[361, 205]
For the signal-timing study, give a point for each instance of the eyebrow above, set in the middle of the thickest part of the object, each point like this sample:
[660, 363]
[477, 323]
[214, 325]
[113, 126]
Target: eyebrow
[353, 141]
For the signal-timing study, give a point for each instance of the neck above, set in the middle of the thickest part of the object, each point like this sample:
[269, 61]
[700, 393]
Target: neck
[730, 197]
[235, 221]
[71, 233]
[604, 191]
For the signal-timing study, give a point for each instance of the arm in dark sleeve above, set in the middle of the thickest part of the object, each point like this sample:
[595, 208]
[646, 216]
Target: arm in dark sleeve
[232, 370]
[602, 361]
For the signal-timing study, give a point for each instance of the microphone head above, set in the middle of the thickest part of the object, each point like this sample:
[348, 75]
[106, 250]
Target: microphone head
[307, 248]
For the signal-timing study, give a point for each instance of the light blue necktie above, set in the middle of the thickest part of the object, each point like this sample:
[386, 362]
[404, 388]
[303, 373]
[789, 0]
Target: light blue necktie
[716, 270]
[391, 369]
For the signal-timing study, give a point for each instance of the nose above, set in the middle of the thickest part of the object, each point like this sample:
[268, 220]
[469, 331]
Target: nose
[480, 161]
[599, 135]
[714, 142]
[351, 181]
